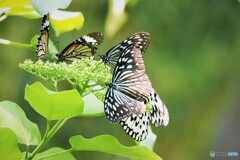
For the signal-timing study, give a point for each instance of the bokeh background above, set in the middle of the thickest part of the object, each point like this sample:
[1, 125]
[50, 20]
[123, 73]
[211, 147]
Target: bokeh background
[193, 62]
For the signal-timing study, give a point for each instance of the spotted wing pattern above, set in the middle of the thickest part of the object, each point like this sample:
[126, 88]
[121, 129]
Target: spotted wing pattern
[118, 106]
[129, 88]
[42, 44]
[142, 39]
[83, 47]
[137, 125]
[159, 113]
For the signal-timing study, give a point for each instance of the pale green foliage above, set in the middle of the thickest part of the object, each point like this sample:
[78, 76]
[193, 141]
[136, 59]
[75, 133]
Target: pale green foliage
[14, 118]
[109, 144]
[67, 21]
[54, 105]
[92, 106]
[8, 145]
[78, 72]
[89, 75]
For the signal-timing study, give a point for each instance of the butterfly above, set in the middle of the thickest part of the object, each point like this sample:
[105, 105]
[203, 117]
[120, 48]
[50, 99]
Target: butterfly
[137, 125]
[129, 88]
[142, 39]
[83, 47]
[42, 44]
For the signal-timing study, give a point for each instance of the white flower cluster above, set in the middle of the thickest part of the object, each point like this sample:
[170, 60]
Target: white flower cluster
[83, 72]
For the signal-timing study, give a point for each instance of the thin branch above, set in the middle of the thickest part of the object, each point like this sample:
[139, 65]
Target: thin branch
[16, 44]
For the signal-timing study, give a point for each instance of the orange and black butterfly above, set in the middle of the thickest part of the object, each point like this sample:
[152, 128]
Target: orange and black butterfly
[42, 44]
[83, 47]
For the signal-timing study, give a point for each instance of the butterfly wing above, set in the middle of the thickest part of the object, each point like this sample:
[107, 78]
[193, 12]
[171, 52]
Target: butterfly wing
[159, 113]
[118, 106]
[129, 74]
[83, 47]
[42, 44]
[142, 39]
[136, 126]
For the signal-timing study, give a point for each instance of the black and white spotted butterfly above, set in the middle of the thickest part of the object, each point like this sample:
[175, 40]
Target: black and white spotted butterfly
[137, 125]
[142, 39]
[83, 47]
[129, 88]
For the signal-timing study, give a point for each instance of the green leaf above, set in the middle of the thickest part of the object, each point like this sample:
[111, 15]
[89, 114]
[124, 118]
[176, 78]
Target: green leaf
[20, 8]
[92, 106]
[13, 117]
[34, 40]
[46, 6]
[55, 154]
[8, 145]
[54, 105]
[62, 21]
[13, 3]
[109, 144]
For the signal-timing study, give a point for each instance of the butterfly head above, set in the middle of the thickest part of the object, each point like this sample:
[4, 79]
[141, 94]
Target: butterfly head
[109, 84]
[104, 58]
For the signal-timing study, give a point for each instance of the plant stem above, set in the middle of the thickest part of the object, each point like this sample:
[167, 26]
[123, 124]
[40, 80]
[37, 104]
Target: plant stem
[74, 85]
[56, 127]
[27, 151]
[84, 87]
[54, 154]
[53, 84]
[41, 144]
[16, 44]
[47, 136]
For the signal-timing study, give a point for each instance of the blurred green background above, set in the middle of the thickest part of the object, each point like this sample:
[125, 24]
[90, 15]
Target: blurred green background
[193, 62]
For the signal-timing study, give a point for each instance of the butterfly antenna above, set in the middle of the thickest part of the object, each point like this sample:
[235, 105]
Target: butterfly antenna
[101, 61]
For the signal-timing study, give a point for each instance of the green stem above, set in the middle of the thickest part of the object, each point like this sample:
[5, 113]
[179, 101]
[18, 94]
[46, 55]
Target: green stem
[53, 84]
[74, 85]
[84, 87]
[55, 154]
[42, 143]
[16, 44]
[27, 151]
[56, 127]
[47, 136]
[47, 129]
